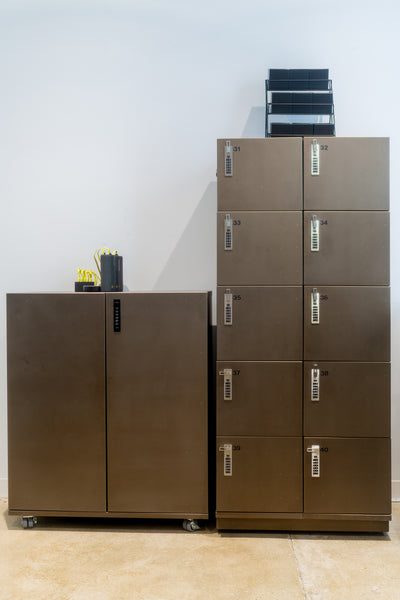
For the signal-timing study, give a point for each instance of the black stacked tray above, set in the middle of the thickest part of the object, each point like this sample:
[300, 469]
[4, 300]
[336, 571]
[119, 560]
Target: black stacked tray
[292, 92]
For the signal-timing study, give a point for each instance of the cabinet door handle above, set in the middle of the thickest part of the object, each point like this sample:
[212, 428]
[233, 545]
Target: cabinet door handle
[117, 315]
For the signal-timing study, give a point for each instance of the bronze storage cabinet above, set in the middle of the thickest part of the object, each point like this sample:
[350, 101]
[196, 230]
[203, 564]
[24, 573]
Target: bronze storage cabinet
[139, 450]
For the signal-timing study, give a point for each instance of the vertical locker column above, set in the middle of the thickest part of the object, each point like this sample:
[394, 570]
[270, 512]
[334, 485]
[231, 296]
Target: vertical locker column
[346, 330]
[259, 330]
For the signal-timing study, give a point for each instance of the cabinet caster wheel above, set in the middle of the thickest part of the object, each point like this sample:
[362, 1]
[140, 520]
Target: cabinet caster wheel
[190, 525]
[29, 522]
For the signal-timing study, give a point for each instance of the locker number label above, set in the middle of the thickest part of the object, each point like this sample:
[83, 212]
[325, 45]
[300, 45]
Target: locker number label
[237, 222]
[323, 222]
[237, 297]
[324, 373]
[323, 297]
[324, 147]
[236, 371]
[237, 148]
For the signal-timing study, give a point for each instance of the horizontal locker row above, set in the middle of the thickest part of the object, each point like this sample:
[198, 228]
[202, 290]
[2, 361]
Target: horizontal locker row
[336, 399]
[344, 323]
[269, 174]
[324, 475]
[267, 248]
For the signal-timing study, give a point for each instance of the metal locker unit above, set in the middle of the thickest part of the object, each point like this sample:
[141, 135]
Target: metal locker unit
[258, 474]
[259, 323]
[259, 174]
[346, 248]
[56, 403]
[347, 476]
[346, 173]
[259, 398]
[347, 399]
[157, 404]
[349, 323]
[259, 248]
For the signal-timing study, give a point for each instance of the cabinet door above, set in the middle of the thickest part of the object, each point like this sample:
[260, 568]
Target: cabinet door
[347, 399]
[259, 323]
[259, 398]
[347, 323]
[157, 403]
[347, 475]
[346, 173]
[259, 474]
[346, 248]
[256, 248]
[56, 402]
[259, 174]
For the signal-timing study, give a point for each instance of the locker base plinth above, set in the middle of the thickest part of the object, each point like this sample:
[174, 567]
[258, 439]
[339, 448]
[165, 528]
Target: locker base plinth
[300, 522]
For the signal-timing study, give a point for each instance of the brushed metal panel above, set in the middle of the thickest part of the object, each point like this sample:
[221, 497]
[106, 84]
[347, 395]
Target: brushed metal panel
[157, 403]
[354, 324]
[266, 475]
[354, 400]
[354, 174]
[56, 402]
[353, 248]
[266, 399]
[267, 175]
[354, 476]
[266, 325]
[266, 249]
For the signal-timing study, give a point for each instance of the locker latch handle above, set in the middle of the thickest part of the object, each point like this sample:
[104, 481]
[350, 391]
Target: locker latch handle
[227, 450]
[228, 308]
[228, 159]
[315, 307]
[315, 461]
[228, 233]
[315, 384]
[315, 158]
[315, 234]
[227, 373]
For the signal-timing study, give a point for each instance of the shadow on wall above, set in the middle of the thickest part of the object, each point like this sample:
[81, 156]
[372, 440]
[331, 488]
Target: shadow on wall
[255, 124]
[192, 263]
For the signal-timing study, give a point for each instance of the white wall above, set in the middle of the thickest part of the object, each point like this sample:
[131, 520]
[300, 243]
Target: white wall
[109, 112]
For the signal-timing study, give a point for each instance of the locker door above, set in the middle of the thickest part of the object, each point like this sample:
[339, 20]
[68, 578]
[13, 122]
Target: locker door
[259, 398]
[346, 173]
[157, 403]
[346, 248]
[347, 399]
[347, 323]
[259, 323]
[347, 475]
[56, 402]
[259, 248]
[259, 474]
[259, 174]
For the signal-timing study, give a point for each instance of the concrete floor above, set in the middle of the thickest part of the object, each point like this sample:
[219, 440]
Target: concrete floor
[83, 559]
